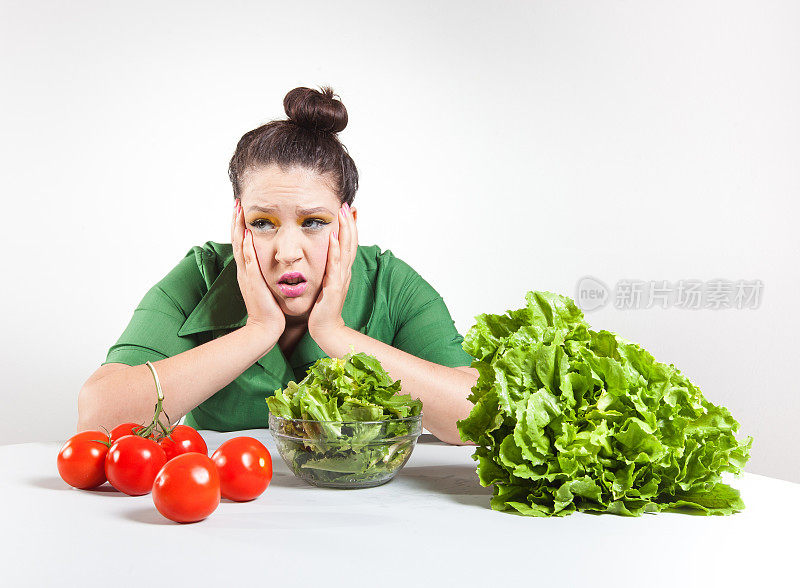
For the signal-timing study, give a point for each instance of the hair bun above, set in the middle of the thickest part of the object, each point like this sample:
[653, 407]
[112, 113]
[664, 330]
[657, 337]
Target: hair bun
[315, 111]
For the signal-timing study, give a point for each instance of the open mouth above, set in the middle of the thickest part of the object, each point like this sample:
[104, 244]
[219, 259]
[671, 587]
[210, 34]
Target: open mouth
[292, 279]
[293, 284]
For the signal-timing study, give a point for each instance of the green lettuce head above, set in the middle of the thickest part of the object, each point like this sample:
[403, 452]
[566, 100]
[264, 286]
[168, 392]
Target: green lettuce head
[567, 418]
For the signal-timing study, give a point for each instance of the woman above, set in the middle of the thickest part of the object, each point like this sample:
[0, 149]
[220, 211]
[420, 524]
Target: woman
[232, 323]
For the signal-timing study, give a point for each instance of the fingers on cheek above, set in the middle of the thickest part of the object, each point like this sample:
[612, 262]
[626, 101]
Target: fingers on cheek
[246, 251]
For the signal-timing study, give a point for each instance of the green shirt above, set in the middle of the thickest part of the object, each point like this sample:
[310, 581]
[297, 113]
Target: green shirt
[199, 300]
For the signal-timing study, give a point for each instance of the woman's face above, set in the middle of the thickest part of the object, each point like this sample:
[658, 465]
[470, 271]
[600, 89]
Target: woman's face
[291, 215]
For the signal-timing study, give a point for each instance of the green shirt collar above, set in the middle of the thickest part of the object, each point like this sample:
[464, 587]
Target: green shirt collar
[222, 307]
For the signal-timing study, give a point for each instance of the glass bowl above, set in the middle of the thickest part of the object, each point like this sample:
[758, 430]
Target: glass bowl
[345, 454]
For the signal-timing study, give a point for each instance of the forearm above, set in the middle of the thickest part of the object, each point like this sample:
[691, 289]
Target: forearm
[443, 390]
[187, 379]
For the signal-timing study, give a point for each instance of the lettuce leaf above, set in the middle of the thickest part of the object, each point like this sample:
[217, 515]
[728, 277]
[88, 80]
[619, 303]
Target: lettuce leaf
[353, 388]
[569, 419]
[360, 435]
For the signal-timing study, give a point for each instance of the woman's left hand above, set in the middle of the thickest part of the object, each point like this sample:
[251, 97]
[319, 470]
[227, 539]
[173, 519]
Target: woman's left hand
[326, 315]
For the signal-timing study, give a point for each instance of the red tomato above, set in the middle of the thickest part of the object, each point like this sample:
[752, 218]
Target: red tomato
[245, 468]
[132, 464]
[126, 429]
[187, 488]
[183, 439]
[81, 460]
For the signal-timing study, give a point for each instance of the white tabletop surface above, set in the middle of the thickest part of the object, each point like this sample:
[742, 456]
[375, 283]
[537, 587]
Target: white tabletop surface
[430, 526]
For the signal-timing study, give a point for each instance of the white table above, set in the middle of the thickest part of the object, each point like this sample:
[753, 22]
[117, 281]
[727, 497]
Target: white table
[430, 526]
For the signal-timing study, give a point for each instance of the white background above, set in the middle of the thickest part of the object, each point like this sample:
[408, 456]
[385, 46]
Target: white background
[502, 147]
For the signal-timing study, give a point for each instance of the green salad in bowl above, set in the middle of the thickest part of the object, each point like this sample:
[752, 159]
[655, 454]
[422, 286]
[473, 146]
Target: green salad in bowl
[345, 425]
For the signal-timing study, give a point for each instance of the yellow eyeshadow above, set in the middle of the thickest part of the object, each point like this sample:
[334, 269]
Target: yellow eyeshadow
[271, 219]
[319, 217]
[300, 221]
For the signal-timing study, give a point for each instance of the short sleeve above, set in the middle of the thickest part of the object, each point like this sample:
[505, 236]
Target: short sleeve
[152, 333]
[423, 325]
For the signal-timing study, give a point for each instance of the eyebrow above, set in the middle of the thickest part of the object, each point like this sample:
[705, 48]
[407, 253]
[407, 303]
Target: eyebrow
[302, 211]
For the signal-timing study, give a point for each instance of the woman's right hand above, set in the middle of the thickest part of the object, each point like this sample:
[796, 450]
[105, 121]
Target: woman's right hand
[263, 311]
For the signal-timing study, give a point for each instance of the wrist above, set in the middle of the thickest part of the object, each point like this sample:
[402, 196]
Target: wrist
[326, 330]
[265, 336]
[327, 337]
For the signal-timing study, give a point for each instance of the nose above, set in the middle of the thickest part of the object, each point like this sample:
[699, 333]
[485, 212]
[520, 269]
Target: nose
[287, 247]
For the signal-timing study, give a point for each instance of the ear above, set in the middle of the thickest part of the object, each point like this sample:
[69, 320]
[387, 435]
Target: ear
[355, 214]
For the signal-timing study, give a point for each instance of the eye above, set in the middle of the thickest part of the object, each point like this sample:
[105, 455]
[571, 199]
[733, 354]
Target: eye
[260, 223]
[319, 223]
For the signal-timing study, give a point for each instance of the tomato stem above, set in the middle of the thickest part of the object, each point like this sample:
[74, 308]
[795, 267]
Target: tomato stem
[107, 442]
[156, 423]
[159, 408]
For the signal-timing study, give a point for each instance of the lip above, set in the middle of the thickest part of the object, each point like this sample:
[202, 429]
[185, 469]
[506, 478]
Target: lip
[292, 275]
[292, 291]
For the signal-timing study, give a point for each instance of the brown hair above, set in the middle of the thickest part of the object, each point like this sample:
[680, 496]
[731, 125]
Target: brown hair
[306, 139]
